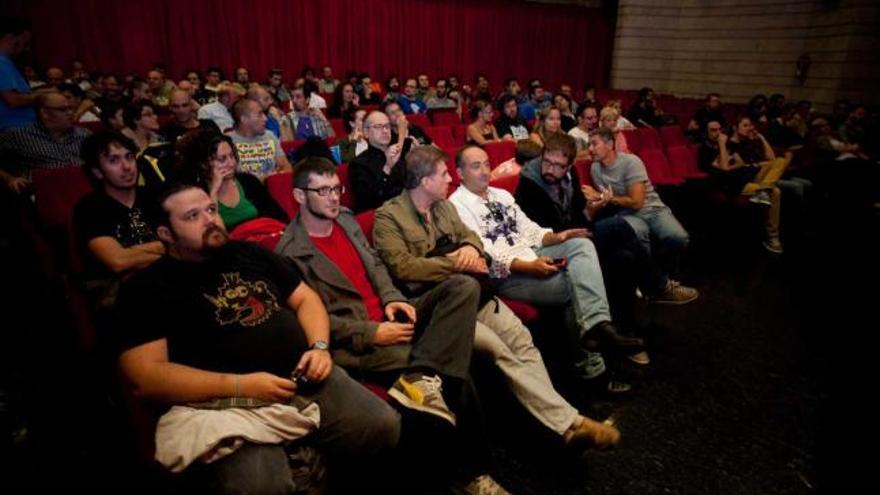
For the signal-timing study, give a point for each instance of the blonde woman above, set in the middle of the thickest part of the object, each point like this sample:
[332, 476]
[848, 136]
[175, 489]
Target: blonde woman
[622, 122]
[608, 117]
[549, 122]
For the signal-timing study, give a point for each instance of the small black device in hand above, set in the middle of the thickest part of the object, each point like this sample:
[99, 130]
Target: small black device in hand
[560, 261]
[400, 316]
[298, 377]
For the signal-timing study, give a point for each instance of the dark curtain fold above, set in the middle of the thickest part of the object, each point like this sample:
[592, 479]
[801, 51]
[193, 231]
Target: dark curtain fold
[403, 37]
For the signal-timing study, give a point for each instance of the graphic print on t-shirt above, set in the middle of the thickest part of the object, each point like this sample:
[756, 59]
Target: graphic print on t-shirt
[135, 230]
[500, 222]
[256, 158]
[246, 303]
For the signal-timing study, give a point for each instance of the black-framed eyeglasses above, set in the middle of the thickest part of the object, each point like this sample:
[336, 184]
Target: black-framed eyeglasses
[326, 190]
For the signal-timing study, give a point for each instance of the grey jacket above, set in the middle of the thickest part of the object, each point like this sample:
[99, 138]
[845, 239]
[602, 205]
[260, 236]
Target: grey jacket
[351, 331]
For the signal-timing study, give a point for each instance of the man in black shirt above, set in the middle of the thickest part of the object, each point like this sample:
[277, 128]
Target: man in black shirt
[218, 319]
[377, 174]
[399, 125]
[710, 112]
[510, 125]
[113, 232]
[185, 121]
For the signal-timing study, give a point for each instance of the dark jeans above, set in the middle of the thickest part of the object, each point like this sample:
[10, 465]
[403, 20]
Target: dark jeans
[620, 250]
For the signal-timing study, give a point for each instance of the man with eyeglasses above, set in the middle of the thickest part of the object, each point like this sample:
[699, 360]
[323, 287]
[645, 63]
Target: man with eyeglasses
[532, 263]
[51, 142]
[377, 174]
[549, 193]
[376, 331]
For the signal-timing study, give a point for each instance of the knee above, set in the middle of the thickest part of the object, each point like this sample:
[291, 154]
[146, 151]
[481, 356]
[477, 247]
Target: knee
[582, 246]
[384, 427]
[463, 286]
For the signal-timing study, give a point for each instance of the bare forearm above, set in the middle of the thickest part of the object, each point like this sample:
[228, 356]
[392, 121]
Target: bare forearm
[174, 383]
[313, 317]
[133, 258]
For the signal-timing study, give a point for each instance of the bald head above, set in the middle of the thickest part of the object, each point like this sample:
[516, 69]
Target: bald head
[259, 94]
[55, 111]
[54, 76]
[180, 104]
[377, 128]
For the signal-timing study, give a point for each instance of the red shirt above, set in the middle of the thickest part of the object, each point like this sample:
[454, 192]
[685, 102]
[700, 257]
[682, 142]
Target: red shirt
[338, 247]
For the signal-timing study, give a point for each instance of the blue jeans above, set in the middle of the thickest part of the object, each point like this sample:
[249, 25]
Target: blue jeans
[579, 285]
[658, 222]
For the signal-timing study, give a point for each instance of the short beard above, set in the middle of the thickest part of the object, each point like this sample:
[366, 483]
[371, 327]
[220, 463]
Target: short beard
[318, 214]
[207, 246]
[550, 179]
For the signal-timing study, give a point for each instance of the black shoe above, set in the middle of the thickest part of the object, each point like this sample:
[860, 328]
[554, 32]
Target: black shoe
[603, 336]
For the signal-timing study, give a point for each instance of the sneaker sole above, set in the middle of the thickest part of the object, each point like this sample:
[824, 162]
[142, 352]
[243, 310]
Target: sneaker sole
[408, 403]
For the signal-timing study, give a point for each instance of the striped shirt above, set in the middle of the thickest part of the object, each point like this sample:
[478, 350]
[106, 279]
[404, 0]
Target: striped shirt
[32, 146]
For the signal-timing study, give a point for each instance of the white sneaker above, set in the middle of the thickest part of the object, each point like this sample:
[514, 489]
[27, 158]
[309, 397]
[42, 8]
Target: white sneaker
[761, 198]
[482, 485]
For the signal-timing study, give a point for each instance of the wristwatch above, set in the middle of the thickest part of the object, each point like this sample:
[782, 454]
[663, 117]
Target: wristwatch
[320, 345]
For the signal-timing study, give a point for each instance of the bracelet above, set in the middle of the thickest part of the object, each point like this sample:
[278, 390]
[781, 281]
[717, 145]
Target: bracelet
[236, 387]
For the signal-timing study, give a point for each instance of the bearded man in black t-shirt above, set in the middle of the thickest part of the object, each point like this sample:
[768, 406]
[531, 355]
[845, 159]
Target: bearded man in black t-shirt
[218, 319]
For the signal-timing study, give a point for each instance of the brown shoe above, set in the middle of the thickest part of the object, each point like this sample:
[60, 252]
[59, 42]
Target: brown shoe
[675, 293]
[585, 432]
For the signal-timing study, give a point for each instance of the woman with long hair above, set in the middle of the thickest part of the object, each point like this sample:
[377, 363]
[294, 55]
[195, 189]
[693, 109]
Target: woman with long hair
[549, 122]
[210, 160]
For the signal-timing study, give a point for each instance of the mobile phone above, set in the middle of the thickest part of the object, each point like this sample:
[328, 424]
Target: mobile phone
[560, 261]
[400, 316]
[298, 377]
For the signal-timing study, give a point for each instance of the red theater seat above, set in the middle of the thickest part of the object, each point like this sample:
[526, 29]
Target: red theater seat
[658, 168]
[280, 187]
[444, 116]
[500, 152]
[442, 136]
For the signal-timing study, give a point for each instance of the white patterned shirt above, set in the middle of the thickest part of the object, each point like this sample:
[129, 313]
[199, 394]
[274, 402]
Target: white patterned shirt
[507, 233]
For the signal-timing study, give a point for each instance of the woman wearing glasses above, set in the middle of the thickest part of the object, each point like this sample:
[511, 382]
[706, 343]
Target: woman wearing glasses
[210, 160]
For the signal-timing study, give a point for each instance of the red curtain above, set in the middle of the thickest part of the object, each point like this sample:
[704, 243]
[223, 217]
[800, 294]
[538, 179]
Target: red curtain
[403, 37]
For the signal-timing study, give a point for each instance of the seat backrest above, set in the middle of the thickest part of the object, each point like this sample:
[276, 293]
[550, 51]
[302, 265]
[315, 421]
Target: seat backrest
[444, 116]
[672, 136]
[649, 138]
[679, 158]
[280, 187]
[656, 165]
[452, 168]
[347, 198]
[366, 219]
[419, 119]
[338, 127]
[500, 152]
[583, 170]
[441, 135]
[633, 141]
[459, 132]
[57, 190]
[508, 183]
